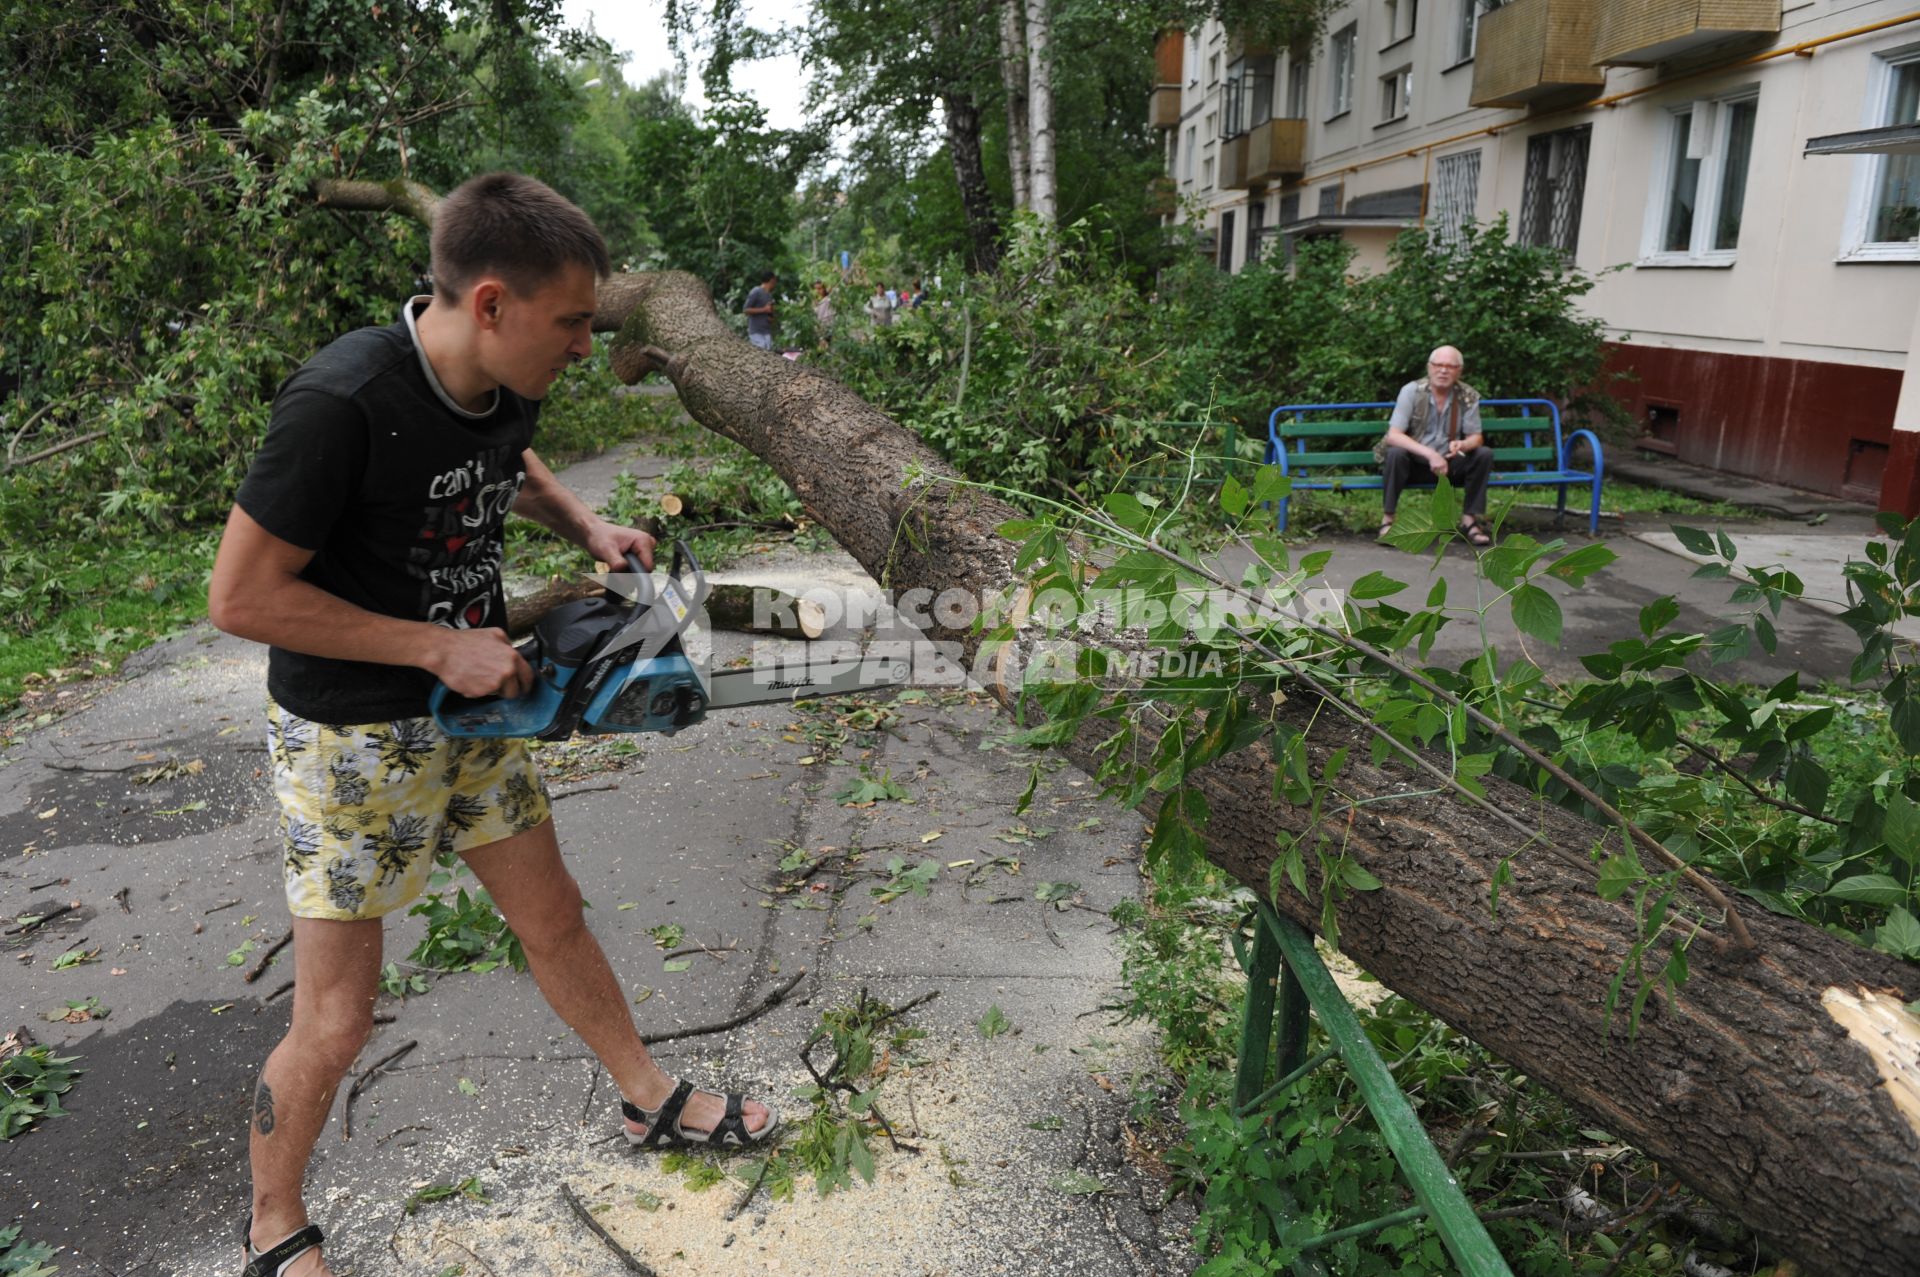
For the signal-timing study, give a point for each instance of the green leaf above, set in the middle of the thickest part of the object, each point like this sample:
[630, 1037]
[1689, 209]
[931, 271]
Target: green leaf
[677, 964]
[1868, 889]
[1077, 1184]
[1899, 934]
[1575, 568]
[993, 1023]
[1356, 876]
[1313, 564]
[1901, 829]
[1375, 585]
[1807, 783]
[1657, 615]
[1233, 497]
[1617, 876]
[1437, 596]
[1694, 539]
[1537, 613]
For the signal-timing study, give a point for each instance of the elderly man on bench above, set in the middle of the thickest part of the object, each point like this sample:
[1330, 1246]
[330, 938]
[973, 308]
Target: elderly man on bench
[1436, 426]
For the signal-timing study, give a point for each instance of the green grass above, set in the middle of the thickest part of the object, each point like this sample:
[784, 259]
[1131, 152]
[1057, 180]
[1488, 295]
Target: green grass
[1358, 513]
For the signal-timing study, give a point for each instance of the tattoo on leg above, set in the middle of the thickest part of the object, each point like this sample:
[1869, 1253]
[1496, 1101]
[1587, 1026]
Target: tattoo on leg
[263, 1107]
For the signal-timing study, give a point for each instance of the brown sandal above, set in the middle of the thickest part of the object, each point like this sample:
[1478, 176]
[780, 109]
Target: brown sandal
[1476, 533]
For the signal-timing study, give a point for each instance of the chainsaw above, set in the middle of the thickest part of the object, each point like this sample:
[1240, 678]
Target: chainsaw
[620, 664]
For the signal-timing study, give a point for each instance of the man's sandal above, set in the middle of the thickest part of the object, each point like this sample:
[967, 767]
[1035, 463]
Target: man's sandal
[664, 1129]
[1386, 526]
[1475, 531]
[275, 1259]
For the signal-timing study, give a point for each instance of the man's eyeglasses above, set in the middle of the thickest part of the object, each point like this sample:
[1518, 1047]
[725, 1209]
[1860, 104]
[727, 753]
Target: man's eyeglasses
[1434, 364]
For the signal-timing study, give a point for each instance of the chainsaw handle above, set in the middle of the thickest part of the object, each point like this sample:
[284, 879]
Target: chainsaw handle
[643, 588]
[681, 550]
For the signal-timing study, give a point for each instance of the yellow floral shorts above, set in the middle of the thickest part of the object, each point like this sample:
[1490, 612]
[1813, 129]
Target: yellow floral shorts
[365, 808]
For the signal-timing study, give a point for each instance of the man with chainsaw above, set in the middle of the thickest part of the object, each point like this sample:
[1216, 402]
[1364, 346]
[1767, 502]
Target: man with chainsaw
[364, 548]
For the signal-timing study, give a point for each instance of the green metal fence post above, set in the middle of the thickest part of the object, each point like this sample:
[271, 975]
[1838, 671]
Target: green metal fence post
[1434, 1186]
[1256, 1024]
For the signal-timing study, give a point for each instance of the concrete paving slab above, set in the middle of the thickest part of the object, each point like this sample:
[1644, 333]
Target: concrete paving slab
[1816, 558]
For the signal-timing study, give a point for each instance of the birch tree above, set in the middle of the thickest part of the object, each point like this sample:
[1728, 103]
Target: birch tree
[1040, 108]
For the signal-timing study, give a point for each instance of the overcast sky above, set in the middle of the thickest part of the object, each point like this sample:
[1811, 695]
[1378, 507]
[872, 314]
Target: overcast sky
[638, 29]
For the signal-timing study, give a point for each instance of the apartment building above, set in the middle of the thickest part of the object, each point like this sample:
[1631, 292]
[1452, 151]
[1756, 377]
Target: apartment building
[1752, 169]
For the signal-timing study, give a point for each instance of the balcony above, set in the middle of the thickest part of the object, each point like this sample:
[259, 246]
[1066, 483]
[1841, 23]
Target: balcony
[1163, 107]
[1231, 174]
[1536, 53]
[1169, 56]
[1645, 32]
[1163, 197]
[1276, 150]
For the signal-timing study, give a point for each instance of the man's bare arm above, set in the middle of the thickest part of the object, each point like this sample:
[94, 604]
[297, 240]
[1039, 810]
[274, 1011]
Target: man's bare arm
[256, 593]
[553, 506]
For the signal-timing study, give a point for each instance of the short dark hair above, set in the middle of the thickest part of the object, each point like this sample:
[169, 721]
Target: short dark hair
[516, 227]
[768, 274]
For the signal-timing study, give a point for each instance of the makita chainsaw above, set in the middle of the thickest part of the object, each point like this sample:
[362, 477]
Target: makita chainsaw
[620, 664]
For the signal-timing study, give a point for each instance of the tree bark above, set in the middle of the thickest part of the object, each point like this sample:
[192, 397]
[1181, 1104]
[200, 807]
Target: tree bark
[1748, 1087]
[1762, 1086]
[1013, 76]
[1040, 108]
[970, 171]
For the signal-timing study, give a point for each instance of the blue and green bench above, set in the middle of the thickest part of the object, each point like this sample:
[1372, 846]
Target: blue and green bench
[1529, 448]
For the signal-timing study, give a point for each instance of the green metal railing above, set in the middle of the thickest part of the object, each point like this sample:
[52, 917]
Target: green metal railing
[1286, 979]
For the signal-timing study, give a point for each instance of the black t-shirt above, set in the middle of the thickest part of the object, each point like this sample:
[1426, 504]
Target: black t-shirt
[402, 496]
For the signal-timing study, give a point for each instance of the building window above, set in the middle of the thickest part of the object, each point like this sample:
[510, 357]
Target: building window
[1456, 191]
[1466, 30]
[1226, 242]
[1213, 125]
[1330, 199]
[1884, 223]
[1173, 152]
[1399, 24]
[1340, 99]
[1256, 227]
[1297, 89]
[1396, 95]
[1186, 174]
[1213, 69]
[1206, 174]
[1555, 183]
[1193, 59]
[1701, 183]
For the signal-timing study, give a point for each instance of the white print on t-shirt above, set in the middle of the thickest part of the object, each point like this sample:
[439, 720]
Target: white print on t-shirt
[458, 552]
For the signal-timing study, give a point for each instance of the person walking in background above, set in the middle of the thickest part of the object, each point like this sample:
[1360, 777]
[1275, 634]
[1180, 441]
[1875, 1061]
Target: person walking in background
[759, 310]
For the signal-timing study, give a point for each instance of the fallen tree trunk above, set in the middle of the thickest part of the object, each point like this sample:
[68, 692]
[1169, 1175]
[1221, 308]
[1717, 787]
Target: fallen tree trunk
[1748, 1087]
[1765, 1086]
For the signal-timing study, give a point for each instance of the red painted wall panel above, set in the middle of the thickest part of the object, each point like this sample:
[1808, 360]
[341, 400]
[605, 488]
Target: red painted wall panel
[1793, 421]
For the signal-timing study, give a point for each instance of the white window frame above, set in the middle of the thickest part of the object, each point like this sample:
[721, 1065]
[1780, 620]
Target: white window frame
[1396, 95]
[1297, 86]
[1192, 148]
[1213, 70]
[1466, 32]
[1206, 174]
[1854, 244]
[1402, 15]
[1340, 82]
[1706, 198]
